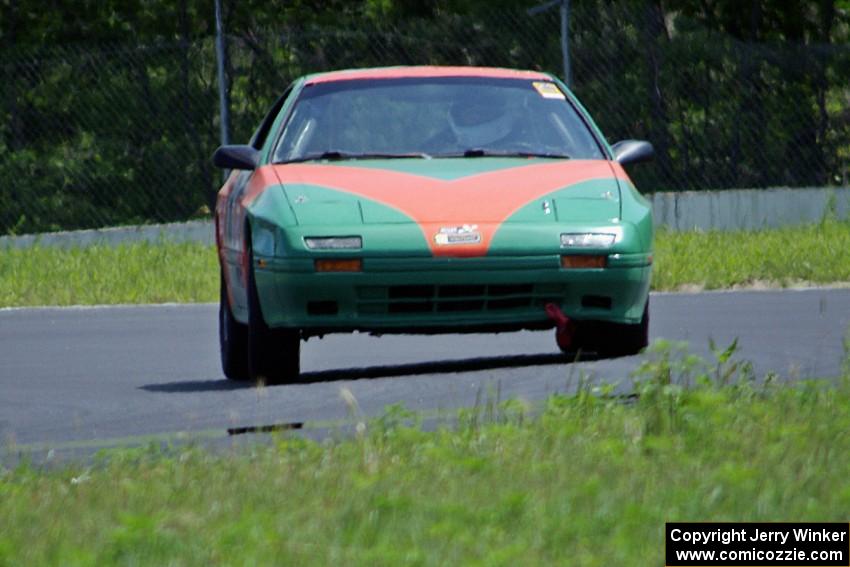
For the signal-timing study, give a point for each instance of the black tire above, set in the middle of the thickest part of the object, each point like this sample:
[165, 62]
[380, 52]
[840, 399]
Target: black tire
[626, 340]
[609, 340]
[232, 340]
[274, 355]
[634, 338]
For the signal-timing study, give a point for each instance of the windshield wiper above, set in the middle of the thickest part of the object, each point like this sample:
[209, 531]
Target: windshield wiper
[337, 155]
[481, 152]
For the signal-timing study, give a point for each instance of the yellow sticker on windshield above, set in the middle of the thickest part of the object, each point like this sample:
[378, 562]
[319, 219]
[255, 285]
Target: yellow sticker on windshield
[548, 90]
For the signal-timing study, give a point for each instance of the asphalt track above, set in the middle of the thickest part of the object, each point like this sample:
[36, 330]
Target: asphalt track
[106, 376]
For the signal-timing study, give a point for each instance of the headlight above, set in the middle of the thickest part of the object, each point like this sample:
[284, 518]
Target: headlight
[262, 240]
[334, 242]
[587, 239]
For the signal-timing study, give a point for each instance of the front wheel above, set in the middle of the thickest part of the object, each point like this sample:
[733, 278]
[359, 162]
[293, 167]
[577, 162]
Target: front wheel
[631, 339]
[274, 355]
[232, 339]
[609, 340]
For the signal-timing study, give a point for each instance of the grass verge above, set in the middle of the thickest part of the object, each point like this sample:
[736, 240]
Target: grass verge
[588, 481]
[812, 254]
[165, 272]
[131, 273]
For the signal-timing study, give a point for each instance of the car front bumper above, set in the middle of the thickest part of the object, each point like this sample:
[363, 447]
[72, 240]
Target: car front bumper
[425, 294]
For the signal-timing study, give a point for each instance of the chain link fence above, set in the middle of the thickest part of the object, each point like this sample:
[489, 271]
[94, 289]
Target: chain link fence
[105, 135]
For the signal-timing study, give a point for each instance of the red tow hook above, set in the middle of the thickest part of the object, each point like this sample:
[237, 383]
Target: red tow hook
[565, 328]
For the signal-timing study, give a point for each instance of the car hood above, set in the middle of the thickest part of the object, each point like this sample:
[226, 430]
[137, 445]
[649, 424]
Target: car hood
[451, 196]
[487, 190]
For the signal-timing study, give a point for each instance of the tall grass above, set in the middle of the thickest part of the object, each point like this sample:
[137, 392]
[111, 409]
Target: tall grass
[589, 481]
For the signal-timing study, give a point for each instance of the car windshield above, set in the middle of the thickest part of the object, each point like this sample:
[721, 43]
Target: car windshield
[434, 117]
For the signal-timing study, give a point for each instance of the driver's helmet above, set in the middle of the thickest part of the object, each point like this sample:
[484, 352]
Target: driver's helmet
[479, 119]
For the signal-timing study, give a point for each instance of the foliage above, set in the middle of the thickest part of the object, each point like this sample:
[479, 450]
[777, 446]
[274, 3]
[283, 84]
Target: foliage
[109, 111]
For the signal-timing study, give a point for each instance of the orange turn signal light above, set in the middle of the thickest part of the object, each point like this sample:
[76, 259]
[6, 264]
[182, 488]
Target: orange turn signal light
[339, 265]
[583, 261]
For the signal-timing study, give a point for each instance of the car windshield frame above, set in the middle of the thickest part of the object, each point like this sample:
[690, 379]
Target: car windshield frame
[311, 90]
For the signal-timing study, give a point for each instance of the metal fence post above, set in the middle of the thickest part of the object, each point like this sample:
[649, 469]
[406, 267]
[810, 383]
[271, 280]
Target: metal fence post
[565, 32]
[224, 107]
[565, 41]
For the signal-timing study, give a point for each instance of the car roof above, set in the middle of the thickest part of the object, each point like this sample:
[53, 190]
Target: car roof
[424, 71]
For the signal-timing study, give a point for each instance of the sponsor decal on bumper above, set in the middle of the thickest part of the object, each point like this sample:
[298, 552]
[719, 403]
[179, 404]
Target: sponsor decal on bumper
[466, 234]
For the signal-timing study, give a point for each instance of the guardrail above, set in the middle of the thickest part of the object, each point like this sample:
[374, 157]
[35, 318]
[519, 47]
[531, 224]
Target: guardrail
[748, 209]
[744, 209]
[191, 231]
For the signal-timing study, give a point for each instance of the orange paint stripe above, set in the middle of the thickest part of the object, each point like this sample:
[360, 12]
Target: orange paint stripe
[486, 199]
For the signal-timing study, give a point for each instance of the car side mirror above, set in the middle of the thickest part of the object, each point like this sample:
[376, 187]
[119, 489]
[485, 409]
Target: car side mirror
[236, 157]
[633, 151]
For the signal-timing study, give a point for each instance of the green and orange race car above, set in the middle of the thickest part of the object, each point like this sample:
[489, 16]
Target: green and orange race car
[428, 200]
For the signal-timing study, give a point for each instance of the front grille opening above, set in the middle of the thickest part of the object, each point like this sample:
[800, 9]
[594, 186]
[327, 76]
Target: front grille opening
[411, 291]
[519, 289]
[322, 308]
[454, 306]
[462, 290]
[596, 301]
[411, 307]
[460, 298]
[515, 303]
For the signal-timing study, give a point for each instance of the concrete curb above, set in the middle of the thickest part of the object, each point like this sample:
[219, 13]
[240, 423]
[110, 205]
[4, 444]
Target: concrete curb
[200, 231]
